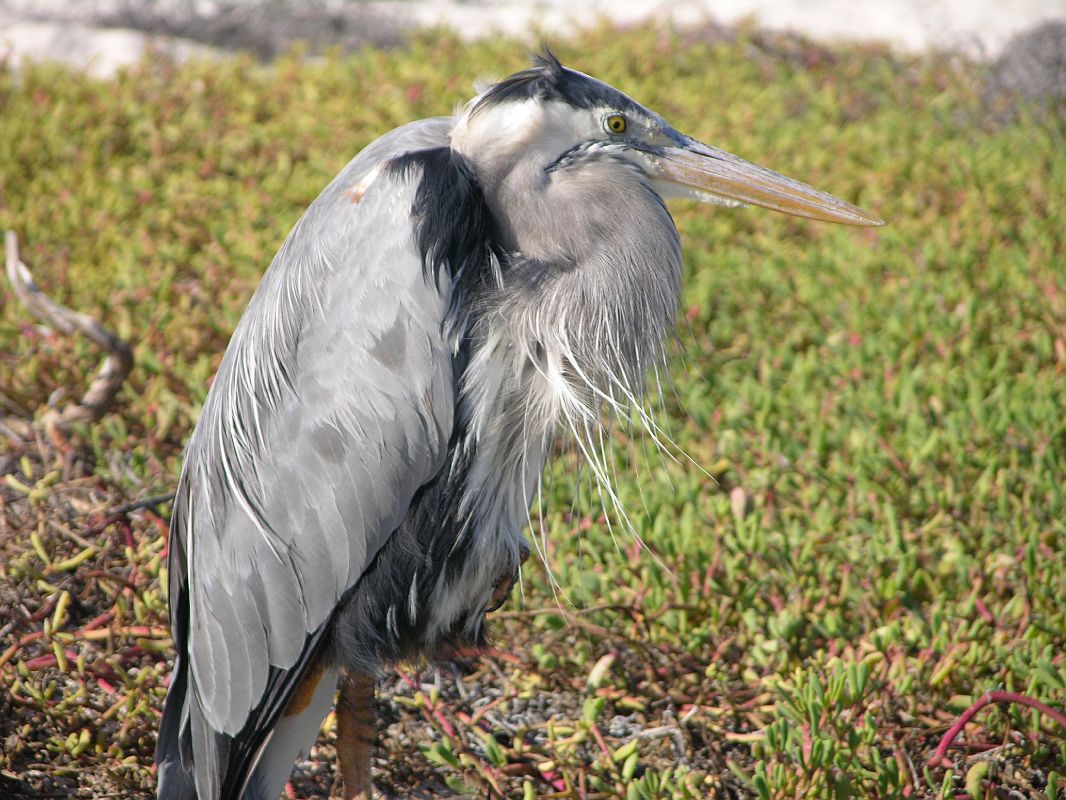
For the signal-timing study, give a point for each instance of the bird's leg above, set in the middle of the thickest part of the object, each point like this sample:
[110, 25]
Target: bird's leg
[355, 733]
[505, 583]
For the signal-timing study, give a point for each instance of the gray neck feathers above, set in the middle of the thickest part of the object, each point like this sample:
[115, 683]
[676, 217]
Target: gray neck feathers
[591, 281]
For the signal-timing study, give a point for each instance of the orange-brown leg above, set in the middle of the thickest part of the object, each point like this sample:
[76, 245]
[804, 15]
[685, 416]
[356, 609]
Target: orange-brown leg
[355, 733]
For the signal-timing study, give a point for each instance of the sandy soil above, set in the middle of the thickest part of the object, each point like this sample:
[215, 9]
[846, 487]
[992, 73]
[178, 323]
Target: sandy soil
[102, 35]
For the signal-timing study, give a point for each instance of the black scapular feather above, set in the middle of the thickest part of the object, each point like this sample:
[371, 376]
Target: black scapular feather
[454, 229]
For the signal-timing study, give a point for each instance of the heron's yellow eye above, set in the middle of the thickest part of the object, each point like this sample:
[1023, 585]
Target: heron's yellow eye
[615, 123]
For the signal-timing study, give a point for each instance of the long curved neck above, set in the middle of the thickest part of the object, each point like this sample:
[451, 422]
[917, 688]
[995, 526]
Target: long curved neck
[594, 277]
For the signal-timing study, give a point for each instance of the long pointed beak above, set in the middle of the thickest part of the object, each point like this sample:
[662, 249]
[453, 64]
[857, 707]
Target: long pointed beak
[714, 174]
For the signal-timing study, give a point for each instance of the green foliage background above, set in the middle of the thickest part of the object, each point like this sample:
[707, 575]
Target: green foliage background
[874, 534]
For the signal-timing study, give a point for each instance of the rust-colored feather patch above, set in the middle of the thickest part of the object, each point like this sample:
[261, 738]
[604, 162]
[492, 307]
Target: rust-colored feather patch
[301, 698]
[356, 192]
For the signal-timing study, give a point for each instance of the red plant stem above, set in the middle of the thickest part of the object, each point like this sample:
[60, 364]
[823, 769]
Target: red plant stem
[987, 699]
[498, 655]
[407, 679]
[127, 532]
[603, 744]
[48, 660]
[982, 609]
[96, 622]
[44, 610]
[554, 780]
[432, 709]
[13, 650]
[442, 720]
[40, 662]
[485, 709]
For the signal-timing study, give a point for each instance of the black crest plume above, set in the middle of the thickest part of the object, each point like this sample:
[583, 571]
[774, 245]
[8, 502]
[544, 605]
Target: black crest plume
[547, 80]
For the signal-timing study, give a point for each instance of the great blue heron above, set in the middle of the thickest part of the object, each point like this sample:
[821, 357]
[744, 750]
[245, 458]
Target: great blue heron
[355, 490]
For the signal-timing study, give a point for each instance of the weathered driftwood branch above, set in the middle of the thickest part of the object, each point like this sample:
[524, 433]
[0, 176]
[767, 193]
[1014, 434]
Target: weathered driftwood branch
[100, 395]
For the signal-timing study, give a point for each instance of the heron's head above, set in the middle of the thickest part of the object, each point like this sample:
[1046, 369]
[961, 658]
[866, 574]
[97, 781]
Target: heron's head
[548, 122]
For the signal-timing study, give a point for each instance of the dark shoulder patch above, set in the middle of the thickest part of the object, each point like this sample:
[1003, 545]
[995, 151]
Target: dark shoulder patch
[548, 79]
[454, 228]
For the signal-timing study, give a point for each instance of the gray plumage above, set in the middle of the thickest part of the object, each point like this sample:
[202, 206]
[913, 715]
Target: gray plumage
[355, 490]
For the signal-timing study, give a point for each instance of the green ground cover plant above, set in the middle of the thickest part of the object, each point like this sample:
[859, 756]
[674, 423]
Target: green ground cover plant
[862, 530]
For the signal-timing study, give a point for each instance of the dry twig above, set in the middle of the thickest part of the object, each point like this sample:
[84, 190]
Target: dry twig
[100, 395]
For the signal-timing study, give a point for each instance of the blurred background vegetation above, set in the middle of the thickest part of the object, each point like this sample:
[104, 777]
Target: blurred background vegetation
[867, 531]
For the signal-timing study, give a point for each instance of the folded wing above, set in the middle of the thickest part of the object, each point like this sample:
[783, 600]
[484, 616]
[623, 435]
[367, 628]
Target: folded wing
[332, 407]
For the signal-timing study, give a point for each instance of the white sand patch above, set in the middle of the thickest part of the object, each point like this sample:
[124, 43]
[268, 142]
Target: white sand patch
[68, 31]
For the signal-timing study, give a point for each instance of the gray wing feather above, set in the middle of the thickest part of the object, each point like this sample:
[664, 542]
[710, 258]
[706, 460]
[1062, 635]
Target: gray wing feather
[332, 406]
